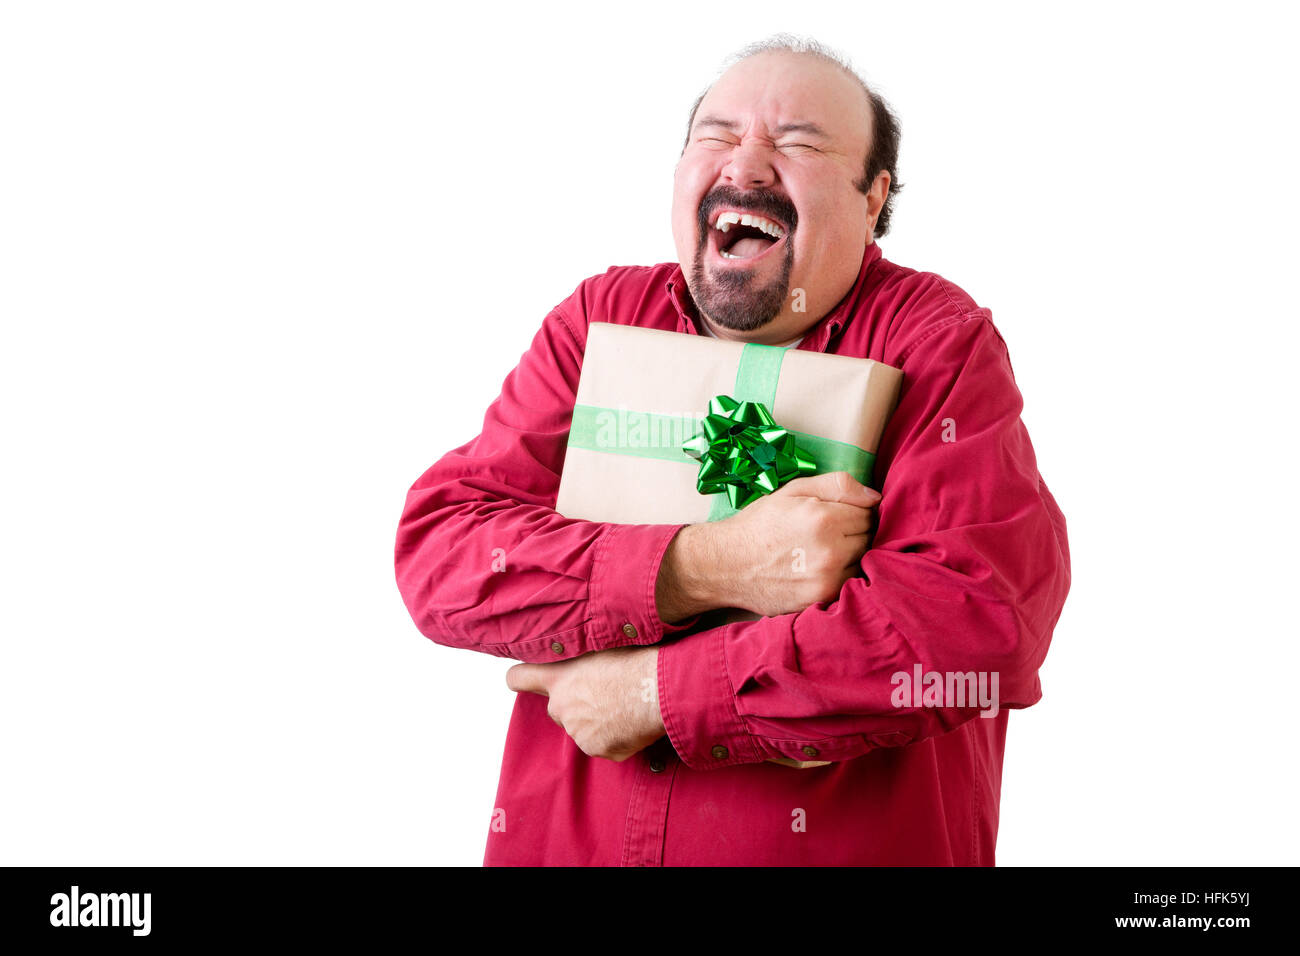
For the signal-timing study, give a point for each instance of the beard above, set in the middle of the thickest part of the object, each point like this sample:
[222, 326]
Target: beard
[734, 298]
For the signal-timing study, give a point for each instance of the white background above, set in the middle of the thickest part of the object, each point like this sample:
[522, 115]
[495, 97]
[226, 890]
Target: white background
[263, 263]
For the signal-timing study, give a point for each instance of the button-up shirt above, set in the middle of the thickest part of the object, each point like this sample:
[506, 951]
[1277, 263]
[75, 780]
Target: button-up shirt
[966, 576]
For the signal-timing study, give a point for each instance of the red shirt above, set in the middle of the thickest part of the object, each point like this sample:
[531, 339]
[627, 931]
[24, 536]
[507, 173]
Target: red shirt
[968, 572]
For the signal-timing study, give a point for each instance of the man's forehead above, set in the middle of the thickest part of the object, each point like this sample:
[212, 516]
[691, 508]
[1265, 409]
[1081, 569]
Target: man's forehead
[786, 93]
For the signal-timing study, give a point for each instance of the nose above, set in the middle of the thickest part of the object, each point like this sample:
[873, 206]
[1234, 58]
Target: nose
[748, 167]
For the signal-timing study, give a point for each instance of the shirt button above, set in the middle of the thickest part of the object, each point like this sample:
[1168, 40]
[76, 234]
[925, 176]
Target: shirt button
[557, 647]
[721, 752]
[629, 630]
[810, 751]
[657, 765]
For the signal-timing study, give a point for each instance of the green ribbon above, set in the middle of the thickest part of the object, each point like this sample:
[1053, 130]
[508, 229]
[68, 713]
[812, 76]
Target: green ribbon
[743, 453]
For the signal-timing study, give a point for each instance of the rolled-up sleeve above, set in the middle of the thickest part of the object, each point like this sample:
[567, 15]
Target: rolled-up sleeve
[967, 576]
[484, 562]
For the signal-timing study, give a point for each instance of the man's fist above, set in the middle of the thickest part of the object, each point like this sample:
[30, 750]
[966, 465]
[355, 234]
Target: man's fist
[784, 552]
[800, 544]
[607, 701]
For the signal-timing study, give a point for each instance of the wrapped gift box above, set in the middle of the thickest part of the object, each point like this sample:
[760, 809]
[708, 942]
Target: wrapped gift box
[644, 392]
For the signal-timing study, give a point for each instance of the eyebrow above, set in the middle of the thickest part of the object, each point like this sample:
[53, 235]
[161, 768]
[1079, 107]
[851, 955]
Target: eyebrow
[810, 128]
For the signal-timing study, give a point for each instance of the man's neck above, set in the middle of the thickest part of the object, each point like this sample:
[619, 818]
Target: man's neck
[731, 336]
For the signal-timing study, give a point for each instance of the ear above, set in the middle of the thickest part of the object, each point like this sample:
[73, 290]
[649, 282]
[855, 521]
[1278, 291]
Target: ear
[876, 197]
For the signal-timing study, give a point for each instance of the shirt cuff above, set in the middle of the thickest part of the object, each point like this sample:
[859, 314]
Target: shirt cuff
[623, 577]
[698, 704]
[702, 713]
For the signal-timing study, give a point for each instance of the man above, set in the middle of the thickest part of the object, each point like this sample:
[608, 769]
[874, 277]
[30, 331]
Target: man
[641, 736]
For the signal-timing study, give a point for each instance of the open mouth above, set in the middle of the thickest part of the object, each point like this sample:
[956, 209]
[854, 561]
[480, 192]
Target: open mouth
[741, 236]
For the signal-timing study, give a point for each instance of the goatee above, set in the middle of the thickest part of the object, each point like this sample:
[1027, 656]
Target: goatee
[733, 298]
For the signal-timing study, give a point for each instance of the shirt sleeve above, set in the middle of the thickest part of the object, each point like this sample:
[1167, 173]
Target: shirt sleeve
[483, 560]
[967, 575]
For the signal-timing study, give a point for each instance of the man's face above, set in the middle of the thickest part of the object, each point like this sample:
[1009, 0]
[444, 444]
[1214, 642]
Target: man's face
[783, 136]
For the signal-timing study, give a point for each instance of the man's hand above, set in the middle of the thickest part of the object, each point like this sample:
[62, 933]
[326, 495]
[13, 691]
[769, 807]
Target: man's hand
[607, 701]
[787, 551]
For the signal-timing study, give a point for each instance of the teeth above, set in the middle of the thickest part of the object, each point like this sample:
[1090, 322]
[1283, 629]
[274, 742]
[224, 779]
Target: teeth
[728, 219]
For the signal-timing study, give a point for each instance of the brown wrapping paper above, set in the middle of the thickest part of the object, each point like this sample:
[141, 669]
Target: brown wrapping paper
[640, 394]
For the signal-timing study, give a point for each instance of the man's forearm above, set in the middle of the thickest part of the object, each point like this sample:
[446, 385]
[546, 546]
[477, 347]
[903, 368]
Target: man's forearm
[692, 576]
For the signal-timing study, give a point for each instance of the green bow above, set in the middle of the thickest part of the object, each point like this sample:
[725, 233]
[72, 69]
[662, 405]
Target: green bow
[743, 452]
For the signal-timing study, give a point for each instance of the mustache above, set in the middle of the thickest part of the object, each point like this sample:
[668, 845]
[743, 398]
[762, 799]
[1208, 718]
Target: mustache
[768, 204]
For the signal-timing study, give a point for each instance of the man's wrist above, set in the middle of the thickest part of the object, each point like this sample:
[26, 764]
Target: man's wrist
[692, 578]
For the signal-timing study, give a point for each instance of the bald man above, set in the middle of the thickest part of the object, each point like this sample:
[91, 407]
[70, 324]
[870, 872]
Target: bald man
[889, 659]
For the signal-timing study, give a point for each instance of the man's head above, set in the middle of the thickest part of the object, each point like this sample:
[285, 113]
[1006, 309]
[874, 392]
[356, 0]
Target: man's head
[789, 133]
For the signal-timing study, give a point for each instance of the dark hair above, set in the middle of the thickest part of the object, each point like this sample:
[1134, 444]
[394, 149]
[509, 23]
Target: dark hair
[886, 133]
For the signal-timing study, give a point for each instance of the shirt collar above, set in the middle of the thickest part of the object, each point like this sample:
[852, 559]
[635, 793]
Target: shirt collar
[816, 339]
